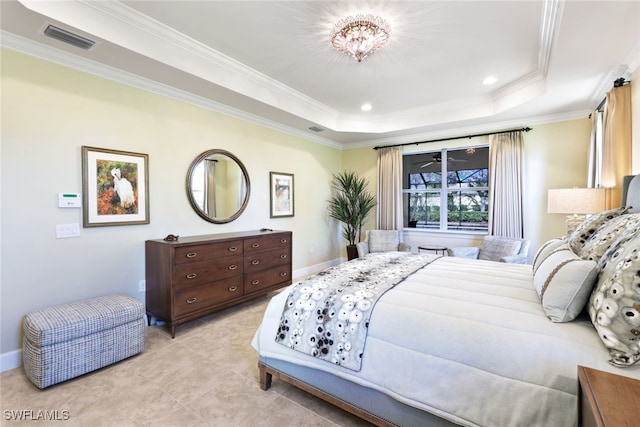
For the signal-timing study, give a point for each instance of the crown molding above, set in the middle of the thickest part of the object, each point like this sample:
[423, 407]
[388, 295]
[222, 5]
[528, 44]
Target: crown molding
[467, 130]
[631, 63]
[550, 24]
[123, 26]
[50, 54]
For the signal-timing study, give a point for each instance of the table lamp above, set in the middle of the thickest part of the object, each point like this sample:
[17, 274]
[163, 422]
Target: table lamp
[577, 202]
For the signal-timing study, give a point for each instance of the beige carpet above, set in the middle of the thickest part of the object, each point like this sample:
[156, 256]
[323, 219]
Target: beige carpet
[206, 376]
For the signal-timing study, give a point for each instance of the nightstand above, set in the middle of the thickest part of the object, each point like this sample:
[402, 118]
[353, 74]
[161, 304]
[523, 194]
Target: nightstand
[607, 400]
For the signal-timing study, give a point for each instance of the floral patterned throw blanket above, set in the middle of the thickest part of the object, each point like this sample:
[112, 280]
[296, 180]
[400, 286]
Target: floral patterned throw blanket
[327, 315]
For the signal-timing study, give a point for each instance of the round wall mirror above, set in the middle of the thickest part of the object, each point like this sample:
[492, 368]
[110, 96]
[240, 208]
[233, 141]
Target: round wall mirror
[218, 186]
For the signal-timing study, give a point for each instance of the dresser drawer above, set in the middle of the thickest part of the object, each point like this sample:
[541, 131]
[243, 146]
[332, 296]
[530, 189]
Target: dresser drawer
[264, 260]
[198, 273]
[265, 279]
[205, 252]
[258, 244]
[202, 297]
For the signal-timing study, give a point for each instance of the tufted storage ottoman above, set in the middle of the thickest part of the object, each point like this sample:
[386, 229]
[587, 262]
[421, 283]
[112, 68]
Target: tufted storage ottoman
[64, 341]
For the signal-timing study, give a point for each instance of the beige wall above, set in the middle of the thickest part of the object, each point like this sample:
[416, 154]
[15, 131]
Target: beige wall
[365, 162]
[49, 112]
[556, 156]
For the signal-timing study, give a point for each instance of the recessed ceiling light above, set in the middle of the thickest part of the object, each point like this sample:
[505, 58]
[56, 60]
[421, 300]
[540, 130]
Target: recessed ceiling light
[489, 80]
[366, 107]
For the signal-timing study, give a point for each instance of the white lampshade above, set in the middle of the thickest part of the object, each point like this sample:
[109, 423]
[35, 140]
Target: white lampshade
[576, 200]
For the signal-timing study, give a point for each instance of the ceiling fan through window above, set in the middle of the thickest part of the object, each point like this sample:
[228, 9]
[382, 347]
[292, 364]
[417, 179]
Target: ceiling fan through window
[437, 158]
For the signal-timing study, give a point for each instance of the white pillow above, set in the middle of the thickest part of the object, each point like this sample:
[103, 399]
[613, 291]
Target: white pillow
[546, 249]
[564, 282]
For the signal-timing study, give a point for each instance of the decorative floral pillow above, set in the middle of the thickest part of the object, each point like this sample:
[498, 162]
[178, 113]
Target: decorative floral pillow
[585, 230]
[607, 234]
[614, 306]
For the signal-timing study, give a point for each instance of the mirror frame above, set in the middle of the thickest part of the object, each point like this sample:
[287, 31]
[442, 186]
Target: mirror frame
[192, 201]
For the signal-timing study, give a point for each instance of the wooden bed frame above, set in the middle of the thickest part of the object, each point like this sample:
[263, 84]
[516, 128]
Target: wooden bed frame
[382, 410]
[267, 373]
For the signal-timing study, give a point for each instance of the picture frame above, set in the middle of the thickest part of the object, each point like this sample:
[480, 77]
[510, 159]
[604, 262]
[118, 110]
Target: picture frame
[282, 197]
[115, 187]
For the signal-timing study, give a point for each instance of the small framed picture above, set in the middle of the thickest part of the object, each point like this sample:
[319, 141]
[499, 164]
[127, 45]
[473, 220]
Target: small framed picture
[282, 197]
[114, 187]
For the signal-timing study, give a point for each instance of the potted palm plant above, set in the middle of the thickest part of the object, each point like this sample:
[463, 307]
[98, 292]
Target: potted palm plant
[350, 204]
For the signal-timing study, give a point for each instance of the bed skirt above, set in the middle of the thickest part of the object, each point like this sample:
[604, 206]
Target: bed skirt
[366, 403]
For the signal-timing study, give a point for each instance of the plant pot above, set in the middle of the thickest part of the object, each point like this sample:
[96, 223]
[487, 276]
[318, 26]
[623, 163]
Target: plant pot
[352, 252]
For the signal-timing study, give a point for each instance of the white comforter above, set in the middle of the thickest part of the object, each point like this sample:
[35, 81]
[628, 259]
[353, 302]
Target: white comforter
[468, 341]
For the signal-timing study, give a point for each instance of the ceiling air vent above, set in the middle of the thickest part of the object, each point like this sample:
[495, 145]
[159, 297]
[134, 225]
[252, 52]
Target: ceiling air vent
[317, 128]
[68, 37]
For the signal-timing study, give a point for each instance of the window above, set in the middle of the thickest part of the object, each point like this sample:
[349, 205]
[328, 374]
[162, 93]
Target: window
[451, 195]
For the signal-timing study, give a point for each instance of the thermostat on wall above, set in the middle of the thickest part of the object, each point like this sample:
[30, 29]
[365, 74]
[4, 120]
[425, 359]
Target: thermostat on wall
[69, 200]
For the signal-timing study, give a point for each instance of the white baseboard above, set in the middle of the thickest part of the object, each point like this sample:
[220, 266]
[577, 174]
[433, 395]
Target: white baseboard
[10, 360]
[312, 269]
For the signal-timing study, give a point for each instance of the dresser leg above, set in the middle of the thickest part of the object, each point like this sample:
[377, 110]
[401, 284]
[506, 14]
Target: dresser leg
[173, 330]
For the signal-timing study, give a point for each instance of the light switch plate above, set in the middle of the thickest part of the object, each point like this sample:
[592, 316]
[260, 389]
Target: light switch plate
[64, 231]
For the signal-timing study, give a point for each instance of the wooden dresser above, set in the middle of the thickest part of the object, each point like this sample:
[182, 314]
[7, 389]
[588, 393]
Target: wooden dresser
[197, 275]
[607, 400]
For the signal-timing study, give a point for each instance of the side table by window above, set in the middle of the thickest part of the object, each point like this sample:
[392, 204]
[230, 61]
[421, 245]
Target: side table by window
[434, 248]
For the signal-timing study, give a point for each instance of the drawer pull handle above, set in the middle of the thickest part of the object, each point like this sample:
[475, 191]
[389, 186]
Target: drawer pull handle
[191, 300]
[255, 282]
[233, 248]
[283, 240]
[233, 288]
[255, 262]
[283, 256]
[283, 274]
[255, 245]
[233, 267]
[192, 255]
[192, 276]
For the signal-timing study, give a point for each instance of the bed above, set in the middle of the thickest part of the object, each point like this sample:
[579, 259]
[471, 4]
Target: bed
[481, 343]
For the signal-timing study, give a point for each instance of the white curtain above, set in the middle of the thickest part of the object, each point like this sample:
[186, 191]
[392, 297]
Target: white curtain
[616, 143]
[389, 211]
[505, 184]
[594, 180]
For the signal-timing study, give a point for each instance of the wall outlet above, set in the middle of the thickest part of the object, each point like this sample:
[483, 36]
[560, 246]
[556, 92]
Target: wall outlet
[142, 286]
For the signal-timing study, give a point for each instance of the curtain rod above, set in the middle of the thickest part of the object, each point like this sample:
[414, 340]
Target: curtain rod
[527, 129]
[616, 83]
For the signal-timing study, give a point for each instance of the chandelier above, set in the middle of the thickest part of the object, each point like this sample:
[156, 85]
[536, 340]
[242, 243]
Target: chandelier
[361, 35]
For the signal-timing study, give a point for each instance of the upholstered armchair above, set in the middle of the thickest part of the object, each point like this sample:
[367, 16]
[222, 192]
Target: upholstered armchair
[381, 241]
[495, 248]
